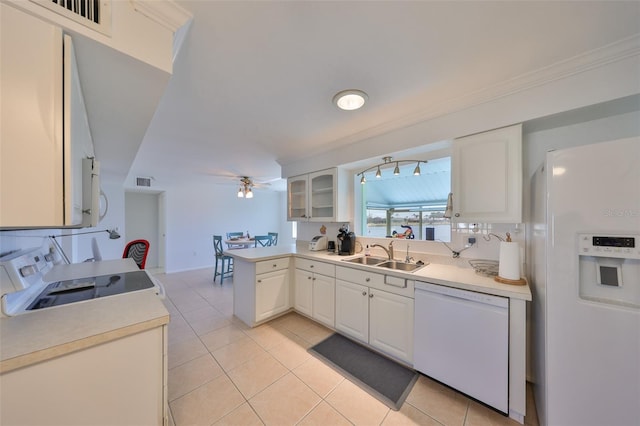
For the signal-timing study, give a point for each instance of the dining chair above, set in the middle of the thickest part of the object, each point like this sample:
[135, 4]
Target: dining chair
[262, 241]
[138, 251]
[274, 238]
[226, 269]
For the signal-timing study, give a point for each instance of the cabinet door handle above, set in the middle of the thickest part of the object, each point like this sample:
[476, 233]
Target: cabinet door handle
[364, 293]
[275, 265]
[309, 278]
[457, 215]
[370, 295]
[314, 279]
[367, 279]
[311, 266]
[259, 281]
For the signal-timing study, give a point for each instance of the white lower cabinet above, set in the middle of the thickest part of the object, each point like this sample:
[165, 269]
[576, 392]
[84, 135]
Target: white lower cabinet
[315, 290]
[391, 324]
[260, 289]
[379, 318]
[324, 290]
[120, 382]
[352, 310]
[272, 294]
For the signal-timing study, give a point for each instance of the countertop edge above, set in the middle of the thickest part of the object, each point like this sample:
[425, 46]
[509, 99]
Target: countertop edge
[77, 345]
[30, 338]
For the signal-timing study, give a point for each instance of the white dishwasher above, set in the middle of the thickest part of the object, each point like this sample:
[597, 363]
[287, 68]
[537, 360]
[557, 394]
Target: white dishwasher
[461, 338]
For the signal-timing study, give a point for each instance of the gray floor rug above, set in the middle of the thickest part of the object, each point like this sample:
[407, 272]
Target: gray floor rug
[384, 379]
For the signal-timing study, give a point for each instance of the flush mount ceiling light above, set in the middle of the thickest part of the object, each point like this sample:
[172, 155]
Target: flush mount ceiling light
[350, 100]
[396, 171]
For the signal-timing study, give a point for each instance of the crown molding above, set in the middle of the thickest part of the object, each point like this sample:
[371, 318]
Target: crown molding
[164, 12]
[614, 52]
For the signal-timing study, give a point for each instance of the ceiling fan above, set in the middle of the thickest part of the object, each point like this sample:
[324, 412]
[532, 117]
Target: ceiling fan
[246, 183]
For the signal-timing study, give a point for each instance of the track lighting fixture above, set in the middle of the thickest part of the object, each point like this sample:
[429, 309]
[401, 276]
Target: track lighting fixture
[396, 170]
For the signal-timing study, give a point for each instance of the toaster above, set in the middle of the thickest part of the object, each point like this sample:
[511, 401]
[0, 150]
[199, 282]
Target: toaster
[318, 243]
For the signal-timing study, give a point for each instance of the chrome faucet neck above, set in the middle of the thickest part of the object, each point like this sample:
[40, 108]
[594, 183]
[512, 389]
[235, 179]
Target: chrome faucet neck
[388, 251]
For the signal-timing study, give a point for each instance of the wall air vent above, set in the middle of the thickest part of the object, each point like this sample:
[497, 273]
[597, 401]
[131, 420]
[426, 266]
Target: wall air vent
[143, 181]
[95, 14]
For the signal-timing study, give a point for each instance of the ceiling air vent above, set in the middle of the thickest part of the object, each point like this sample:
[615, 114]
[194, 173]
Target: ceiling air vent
[143, 181]
[95, 14]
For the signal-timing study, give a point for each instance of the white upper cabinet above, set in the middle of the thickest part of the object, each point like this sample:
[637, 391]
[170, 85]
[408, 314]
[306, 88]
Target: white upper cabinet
[297, 193]
[319, 196]
[44, 134]
[487, 177]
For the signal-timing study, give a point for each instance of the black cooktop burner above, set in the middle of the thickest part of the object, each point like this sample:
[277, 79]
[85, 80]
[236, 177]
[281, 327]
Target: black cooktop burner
[71, 291]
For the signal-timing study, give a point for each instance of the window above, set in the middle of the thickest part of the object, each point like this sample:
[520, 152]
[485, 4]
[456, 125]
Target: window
[407, 205]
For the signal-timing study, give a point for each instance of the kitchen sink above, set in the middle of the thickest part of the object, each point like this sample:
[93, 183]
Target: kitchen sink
[400, 266]
[366, 260]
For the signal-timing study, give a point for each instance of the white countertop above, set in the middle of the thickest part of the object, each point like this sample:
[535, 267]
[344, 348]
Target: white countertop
[458, 276]
[40, 335]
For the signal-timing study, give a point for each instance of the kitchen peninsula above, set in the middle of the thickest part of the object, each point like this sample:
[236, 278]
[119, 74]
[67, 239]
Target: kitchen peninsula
[268, 283]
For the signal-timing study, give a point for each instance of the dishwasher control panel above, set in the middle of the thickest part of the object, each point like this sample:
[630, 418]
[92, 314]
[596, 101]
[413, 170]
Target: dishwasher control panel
[488, 299]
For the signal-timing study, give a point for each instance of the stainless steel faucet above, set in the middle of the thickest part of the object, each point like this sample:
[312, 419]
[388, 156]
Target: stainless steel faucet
[388, 251]
[408, 258]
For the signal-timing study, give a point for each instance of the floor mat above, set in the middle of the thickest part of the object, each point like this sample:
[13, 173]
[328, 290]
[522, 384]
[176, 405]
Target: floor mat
[386, 380]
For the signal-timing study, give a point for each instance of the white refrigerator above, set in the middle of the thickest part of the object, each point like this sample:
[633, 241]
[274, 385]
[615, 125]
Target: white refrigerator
[584, 262]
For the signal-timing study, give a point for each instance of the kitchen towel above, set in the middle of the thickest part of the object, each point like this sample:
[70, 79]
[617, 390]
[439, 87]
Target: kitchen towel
[509, 267]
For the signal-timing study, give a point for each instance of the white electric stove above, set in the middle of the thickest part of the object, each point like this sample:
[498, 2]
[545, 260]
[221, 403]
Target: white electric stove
[30, 281]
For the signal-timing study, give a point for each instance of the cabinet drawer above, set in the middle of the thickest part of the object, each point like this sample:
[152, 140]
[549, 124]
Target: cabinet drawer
[317, 267]
[272, 265]
[359, 276]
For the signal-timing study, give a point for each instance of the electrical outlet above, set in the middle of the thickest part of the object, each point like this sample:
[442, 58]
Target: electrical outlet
[472, 240]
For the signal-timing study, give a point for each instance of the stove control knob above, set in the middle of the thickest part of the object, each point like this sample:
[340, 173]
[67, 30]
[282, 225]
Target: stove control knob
[28, 270]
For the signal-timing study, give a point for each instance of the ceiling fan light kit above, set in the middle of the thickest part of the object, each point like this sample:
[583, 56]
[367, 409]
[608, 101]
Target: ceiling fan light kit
[350, 100]
[396, 171]
[245, 188]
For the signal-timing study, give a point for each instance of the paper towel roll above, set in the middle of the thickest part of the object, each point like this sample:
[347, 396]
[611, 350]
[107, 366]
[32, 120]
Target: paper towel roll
[509, 267]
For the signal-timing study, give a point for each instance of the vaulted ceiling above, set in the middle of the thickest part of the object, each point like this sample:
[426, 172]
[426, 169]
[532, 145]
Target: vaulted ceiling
[253, 83]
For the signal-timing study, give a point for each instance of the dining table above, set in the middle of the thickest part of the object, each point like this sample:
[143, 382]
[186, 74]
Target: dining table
[239, 242]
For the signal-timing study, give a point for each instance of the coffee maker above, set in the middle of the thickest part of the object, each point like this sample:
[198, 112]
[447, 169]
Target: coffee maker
[347, 241]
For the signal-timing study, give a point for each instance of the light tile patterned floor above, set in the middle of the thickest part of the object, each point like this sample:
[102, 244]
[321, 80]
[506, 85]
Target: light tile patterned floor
[222, 372]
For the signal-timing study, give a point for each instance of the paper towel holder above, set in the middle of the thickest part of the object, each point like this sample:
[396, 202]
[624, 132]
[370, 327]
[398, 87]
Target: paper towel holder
[498, 278]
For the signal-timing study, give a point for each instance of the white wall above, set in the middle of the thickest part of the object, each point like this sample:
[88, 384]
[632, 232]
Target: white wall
[132, 32]
[537, 143]
[197, 212]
